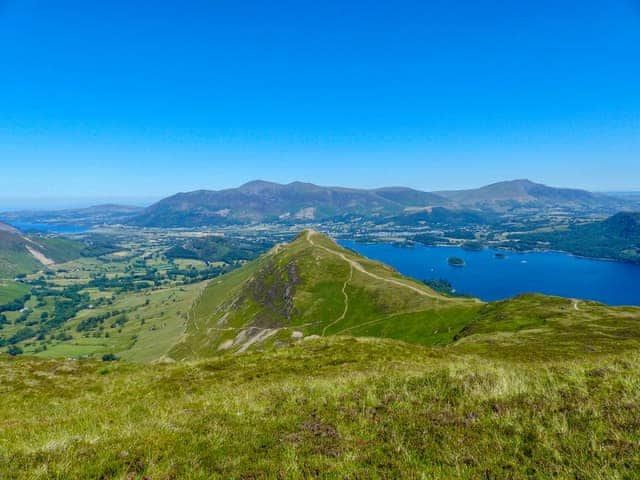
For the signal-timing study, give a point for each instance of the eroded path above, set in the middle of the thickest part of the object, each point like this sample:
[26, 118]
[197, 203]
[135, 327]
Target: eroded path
[361, 269]
[346, 302]
[41, 257]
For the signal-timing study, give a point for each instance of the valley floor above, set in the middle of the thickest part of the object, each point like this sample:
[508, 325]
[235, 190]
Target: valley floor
[330, 408]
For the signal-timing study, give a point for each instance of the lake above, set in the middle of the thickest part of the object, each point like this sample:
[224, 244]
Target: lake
[27, 227]
[490, 278]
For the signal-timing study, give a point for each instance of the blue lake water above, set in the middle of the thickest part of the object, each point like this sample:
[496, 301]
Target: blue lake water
[490, 278]
[48, 227]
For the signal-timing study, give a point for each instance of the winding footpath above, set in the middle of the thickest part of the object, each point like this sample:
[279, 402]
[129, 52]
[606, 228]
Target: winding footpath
[361, 269]
[346, 302]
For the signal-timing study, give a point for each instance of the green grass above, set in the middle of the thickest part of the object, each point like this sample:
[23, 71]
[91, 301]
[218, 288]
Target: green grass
[305, 286]
[157, 316]
[532, 387]
[60, 249]
[309, 286]
[13, 262]
[329, 408]
[16, 259]
[156, 321]
[538, 327]
[10, 291]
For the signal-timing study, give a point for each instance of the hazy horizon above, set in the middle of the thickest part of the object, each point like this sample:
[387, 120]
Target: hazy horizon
[10, 204]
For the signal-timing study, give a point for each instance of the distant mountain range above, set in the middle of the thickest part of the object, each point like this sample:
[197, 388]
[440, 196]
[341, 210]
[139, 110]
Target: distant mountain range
[504, 195]
[261, 201]
[267, 201]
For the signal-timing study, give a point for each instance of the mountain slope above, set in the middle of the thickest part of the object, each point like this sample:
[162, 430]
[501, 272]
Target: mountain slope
[315, 287]
[259, 201]
[21, 254]
[524, 192]
[17, 253]
[538, 327]
[265, 201]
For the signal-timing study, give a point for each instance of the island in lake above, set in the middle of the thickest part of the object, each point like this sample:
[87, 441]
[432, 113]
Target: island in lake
[455, 261]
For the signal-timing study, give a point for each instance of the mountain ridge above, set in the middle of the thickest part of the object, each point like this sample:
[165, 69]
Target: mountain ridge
[263, 201]
[526, 192]
[312, 288]
[260, 200]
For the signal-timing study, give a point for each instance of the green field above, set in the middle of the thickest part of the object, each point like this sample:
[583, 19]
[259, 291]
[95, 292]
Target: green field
[10, 291]
[133, 303]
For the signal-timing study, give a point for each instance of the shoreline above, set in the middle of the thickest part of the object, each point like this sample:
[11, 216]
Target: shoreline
[505, 249]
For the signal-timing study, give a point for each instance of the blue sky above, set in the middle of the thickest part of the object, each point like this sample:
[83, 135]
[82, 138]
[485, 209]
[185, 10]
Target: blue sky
[137, 99]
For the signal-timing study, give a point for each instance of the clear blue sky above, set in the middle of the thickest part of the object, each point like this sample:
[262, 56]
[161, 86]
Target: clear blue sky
[143, 99]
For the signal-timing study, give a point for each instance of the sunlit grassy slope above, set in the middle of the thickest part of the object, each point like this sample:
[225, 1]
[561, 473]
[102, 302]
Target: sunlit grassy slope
[10, 291]
[15, 257]
[157, 320]
[532, 387]
[14, 261]
[313, 287]
[330, 408]
[539, 327]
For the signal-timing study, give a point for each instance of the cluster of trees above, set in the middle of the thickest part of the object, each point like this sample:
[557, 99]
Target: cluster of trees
[617, 237]
[218, 249]
[68, 304]
[443, 286]
[15, 305]
[121, 284]
[98, 320]
[194, 275]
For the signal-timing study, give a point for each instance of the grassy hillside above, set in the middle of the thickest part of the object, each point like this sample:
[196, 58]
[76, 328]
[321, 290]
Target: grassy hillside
[538, 327]
[531, 387]
[329, 408]
[20, 254]
[315, 287]
[14, 257]
[14, 262]
[10, 291]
